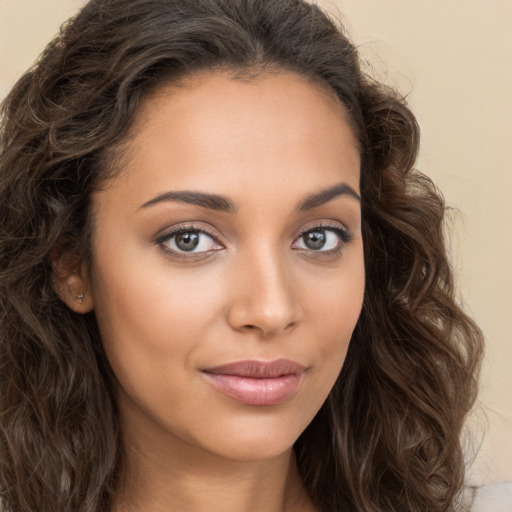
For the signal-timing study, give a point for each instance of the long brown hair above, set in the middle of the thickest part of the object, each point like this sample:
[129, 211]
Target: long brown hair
[388, 436]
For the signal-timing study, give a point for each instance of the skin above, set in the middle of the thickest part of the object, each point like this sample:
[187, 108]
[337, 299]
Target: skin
[255, 290]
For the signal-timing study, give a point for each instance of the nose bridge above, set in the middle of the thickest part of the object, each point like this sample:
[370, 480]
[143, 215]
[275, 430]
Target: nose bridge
[264, 298]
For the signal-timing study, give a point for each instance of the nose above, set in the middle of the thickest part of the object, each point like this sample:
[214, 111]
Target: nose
[263, 299]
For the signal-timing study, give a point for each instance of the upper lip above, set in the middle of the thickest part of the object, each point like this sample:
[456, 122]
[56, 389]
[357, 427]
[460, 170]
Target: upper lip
[258, 369]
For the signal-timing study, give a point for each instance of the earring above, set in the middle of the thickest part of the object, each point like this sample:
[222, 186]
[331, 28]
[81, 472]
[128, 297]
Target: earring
[80, 297]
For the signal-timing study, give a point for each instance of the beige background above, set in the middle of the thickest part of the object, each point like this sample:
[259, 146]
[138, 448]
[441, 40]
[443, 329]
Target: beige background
[454, 59]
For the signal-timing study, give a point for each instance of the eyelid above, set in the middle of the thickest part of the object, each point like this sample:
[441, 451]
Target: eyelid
[174, 231]
[335, 226]
[342, 232]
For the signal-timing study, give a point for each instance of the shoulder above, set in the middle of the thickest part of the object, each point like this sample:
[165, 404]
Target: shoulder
[495, 497]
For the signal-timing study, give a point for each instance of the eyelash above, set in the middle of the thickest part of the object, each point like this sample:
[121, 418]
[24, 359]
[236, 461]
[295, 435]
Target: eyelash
[160, 241]
[343, 234]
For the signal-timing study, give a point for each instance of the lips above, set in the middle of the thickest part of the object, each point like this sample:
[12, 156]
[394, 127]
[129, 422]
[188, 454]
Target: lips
[257, 382]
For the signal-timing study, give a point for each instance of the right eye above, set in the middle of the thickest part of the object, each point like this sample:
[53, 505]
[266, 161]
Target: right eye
[188, 240]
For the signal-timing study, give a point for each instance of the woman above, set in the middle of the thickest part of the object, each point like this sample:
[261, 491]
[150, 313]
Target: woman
[223, 287]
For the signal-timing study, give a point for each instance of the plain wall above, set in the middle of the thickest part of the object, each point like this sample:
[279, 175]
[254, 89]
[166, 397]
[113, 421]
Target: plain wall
[454, 60]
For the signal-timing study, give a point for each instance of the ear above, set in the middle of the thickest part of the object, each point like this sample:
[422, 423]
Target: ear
[71, 282]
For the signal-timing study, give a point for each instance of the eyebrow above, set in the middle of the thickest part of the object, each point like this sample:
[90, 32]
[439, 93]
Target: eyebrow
[210, 201]
[324, 196]
[223, 204]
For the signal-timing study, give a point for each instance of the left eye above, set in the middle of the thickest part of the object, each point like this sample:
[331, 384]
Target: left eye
[189, 241]
[320, 239]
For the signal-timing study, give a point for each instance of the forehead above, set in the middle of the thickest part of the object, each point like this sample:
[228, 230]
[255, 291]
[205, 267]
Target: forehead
[214, 94]
[227, 135]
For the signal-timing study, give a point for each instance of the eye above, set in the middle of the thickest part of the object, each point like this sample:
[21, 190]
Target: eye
[323, 239]
[188, 240]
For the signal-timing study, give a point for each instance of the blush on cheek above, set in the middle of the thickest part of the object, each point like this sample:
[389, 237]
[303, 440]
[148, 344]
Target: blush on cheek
[340, 322]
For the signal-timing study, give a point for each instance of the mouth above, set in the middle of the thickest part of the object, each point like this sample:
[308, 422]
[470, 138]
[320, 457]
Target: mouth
[257, 382]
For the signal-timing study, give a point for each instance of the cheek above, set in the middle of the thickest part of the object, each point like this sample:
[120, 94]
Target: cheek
[151, 320]
[163, 312]
[153, 328]
[333, 310]
[335, 306]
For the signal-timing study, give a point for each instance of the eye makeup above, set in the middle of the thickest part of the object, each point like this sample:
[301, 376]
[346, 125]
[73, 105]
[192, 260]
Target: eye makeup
[321, 237]
[182, 242]
[192, 242]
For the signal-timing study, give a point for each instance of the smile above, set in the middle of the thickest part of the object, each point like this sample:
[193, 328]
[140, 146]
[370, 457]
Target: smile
[257, 382]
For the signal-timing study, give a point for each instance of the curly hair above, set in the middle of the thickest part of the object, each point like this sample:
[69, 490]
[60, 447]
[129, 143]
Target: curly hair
[388, 436]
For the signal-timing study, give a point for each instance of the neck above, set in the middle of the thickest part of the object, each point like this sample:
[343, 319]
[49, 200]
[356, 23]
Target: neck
[210, 483]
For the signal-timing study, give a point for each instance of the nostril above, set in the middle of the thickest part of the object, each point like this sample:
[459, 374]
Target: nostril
[268, 331]
[267, 315]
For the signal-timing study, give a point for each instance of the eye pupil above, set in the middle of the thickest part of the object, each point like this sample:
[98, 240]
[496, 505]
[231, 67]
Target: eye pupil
[187, 241]
[315, 239]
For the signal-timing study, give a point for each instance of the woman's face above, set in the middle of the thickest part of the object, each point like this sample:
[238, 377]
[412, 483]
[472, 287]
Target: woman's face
[227, 272]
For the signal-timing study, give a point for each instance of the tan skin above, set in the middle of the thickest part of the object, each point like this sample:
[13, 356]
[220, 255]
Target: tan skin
[276, 277]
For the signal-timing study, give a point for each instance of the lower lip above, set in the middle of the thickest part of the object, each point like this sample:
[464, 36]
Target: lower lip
[251, 391]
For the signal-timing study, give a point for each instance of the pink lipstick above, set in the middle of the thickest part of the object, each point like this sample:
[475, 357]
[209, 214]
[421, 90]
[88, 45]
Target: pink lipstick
[257, 382]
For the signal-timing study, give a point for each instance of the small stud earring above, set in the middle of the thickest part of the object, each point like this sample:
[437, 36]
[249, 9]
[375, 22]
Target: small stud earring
[80, 297]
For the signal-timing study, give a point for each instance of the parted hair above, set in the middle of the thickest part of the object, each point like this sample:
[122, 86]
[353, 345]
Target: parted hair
[388, 436]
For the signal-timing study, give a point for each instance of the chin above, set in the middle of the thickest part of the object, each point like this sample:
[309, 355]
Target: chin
[261, 439]
[254, 449]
